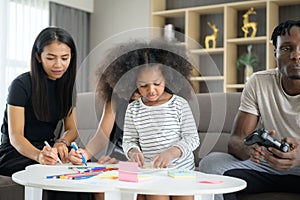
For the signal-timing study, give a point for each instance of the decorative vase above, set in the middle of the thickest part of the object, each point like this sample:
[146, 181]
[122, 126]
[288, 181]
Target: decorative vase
[248, 72]
[169, 32]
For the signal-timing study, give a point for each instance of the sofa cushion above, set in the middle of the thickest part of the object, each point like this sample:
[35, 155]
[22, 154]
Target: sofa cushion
[216, 115]
[10, 190]
[87, 110]
[88, 115]
[211, 142]
[217, 111]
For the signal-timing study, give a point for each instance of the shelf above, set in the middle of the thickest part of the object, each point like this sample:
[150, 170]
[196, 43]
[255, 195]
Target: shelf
[255, 40]
[170, 13]
[245, 5]
[204, 10]
[286, 2]
[218, 65]
[180, 43]
[237, 86]
[207, 51]
[207, 78]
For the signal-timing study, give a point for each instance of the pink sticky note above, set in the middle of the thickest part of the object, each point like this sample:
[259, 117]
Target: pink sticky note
[128, 171]
[211, 181]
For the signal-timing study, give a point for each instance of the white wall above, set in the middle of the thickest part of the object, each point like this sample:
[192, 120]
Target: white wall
[111, 17]
[86, 5]
[114, 16]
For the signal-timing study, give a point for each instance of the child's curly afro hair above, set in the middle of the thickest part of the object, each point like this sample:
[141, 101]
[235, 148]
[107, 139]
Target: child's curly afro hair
[117, 73]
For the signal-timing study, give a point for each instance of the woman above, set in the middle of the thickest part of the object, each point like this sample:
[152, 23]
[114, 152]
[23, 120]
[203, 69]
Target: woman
[37, 101]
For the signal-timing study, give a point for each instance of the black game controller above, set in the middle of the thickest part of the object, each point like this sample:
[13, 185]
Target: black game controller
[262, 138]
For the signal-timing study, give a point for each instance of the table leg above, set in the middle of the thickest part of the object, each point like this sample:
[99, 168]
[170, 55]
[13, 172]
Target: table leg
[32, 193]
[119, 195]
[128, 196]
[204, 197]
[112, 195]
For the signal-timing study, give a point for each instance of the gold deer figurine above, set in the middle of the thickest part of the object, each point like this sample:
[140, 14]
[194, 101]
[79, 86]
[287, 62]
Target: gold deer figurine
[248, 24]
[212, 37]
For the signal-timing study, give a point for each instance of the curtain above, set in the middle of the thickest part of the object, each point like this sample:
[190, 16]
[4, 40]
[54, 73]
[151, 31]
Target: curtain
[76, 22]
[20, 22]
[3, 60]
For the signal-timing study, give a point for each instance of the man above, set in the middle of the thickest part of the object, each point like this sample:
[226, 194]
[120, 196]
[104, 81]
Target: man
[270, 100]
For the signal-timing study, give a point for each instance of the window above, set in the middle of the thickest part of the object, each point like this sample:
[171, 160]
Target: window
[21, 21]
[26, 19]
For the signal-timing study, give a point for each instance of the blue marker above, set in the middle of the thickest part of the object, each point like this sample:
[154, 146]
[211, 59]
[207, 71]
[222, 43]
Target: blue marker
[82, 177]
[75, 147]
[53, 177]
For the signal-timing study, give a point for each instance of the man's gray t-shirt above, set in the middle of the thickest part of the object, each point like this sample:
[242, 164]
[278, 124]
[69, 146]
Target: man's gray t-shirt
[264, 96]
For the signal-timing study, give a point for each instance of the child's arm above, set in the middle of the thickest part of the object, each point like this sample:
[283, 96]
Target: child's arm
[130, 135]
[190, 138]
[189, 142]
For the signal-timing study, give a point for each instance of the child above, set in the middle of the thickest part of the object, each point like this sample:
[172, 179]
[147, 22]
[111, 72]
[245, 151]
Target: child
[116, 88]
[159, 126]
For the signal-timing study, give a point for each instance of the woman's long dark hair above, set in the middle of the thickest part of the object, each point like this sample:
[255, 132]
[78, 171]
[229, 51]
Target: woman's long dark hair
[65, 84]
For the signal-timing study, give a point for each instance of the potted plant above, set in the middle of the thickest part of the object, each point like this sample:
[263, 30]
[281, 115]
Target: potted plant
[248, 60]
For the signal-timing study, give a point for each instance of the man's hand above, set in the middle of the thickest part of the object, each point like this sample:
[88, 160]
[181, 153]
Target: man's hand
[256, 153]
[284, 161]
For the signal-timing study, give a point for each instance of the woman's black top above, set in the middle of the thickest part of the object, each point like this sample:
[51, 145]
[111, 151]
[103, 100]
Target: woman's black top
[35, 131]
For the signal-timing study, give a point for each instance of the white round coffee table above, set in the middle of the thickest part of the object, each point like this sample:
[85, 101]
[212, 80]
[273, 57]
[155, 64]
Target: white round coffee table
[203, 186]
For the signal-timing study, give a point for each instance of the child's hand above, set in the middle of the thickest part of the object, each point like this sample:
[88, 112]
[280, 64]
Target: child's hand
[163, 159]
[136, 156]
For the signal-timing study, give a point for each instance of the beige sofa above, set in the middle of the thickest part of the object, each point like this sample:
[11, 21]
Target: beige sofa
[214, 112]
[215, 115]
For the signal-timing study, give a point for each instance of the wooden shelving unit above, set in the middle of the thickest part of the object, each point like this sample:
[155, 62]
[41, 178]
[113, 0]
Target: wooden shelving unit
[217, 67]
